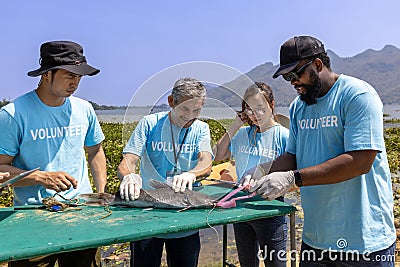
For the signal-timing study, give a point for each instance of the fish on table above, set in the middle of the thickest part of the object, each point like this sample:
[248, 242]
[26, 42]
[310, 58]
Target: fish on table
[162, 196]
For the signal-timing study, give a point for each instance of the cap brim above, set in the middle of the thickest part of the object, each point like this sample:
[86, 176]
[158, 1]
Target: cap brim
[285, 69]
[82, 69]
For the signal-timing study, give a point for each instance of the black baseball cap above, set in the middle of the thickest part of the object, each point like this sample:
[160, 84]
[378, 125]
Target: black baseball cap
[295, 49]
[65, 55]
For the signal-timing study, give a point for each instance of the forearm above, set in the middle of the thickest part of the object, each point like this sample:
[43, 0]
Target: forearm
[58, 181]
[341, 168]
[285, 162]
[128, 165]
[97, 163]
[11, 169]
[6, 166]
[221, 149]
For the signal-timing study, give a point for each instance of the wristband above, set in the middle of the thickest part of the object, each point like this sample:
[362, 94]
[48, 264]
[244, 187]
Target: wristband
[298, 179]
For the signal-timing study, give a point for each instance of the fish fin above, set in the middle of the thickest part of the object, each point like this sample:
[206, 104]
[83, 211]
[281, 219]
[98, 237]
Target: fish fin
[157, 184]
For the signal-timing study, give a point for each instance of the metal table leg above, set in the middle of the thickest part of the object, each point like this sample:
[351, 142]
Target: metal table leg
[293, 251]
[224, 244]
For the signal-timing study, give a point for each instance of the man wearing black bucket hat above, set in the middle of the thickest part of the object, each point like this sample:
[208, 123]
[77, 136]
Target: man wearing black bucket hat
[336, 155]
[51, 129]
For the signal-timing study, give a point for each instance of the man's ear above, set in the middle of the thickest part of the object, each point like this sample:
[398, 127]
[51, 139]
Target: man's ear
[171, 101]
[318, 64]
[46, 75]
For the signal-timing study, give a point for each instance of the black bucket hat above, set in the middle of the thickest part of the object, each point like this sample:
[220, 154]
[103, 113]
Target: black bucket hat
[65, 55]
[295, 49]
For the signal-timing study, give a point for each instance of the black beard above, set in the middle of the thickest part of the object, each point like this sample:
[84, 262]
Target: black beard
[312, 89]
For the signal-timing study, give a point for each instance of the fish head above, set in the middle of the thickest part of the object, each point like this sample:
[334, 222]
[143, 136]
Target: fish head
[197, 199]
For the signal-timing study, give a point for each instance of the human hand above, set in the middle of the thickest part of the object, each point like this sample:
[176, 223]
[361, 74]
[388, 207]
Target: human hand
[274, 185]
[246, 182]
[57, 181]
[252, 175]
[4, 175]
[130, 186]
[241, 118]
[183, 180]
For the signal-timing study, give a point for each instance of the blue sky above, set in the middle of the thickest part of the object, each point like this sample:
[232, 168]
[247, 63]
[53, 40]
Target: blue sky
[130, 41]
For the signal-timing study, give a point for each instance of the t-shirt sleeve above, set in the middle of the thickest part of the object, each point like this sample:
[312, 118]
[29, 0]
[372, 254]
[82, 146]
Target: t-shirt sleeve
[284, 136]
[363, 125]
[291, 143]
[137, 141]
[204, 144]
[94, 133]
[10, 134]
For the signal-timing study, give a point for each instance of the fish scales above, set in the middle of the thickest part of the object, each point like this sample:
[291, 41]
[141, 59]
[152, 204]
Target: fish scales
[161, 197]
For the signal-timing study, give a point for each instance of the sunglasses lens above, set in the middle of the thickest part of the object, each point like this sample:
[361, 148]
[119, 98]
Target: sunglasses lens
[286, 77]
[295, 75]
[290, 76]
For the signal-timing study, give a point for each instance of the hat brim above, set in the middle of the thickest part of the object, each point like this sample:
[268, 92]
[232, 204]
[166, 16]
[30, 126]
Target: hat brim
[285, 68]
[81, 69]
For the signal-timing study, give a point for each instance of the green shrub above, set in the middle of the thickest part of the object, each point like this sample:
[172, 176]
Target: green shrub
[392, 142]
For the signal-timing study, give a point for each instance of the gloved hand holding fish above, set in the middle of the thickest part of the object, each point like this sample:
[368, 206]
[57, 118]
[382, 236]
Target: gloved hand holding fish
[130, 186]
[274, 185]
[183, 180]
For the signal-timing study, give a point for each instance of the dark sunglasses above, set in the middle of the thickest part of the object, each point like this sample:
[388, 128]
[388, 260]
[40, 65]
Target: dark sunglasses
[295, 75]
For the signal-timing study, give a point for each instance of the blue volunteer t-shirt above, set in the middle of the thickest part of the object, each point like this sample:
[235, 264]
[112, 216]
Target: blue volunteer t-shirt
[250, 148]
[360, 210]
[52, 138]
[152, 142]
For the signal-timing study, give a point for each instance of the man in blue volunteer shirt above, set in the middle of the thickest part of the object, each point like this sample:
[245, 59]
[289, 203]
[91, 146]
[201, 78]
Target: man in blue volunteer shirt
[49, 128]
[173, 147]
[336, 155]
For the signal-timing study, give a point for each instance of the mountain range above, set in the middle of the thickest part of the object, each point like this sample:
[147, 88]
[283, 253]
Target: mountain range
[379, 68]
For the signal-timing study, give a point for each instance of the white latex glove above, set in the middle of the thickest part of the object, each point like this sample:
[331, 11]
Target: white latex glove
[252, 175]
[183, 180]
[246, 182]
[130, 187]
[274, 185]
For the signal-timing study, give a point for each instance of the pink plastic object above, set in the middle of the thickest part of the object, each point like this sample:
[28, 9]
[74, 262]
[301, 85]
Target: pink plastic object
[227, 204]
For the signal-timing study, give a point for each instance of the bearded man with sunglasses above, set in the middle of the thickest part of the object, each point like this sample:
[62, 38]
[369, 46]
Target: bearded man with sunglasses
[336, 154]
